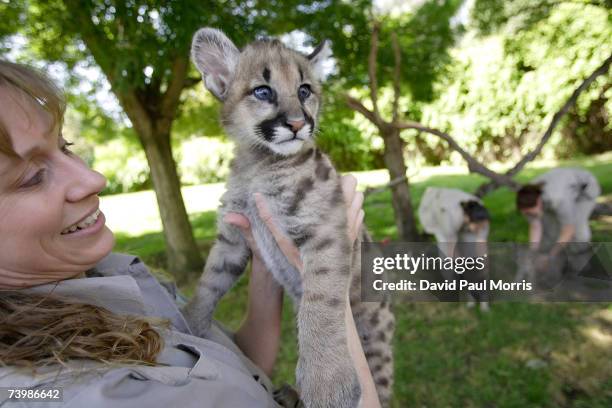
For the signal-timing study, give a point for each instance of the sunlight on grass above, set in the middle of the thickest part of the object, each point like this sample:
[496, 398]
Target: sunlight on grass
[135, 214]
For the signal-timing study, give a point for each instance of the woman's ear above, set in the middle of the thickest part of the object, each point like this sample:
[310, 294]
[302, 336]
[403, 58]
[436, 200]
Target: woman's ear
[216, 57]
[318, 58]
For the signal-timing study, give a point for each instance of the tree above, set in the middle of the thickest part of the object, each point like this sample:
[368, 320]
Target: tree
[431, 25]
[394, 145]
[496, 179]
[143, 49]
[475, 165]
[559, 45]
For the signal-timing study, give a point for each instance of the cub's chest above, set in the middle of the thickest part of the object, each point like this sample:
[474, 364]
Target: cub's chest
[295, 191]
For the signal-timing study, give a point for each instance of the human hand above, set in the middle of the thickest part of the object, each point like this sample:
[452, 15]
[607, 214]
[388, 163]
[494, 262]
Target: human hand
[259, 335]
[242, 223]
[354, 202]
[354, 213]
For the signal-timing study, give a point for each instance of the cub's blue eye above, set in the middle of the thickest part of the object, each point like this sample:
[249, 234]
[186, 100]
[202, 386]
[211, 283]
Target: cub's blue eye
[263, 93]
[304, 92]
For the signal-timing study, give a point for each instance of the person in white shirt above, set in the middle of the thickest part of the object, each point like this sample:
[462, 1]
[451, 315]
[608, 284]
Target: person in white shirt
[558, 205]
[455, 217]
[452, 216]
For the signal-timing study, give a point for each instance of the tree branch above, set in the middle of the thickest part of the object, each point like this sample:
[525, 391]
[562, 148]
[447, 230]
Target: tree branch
[396, 76]
[473, 165]
[98, 45]
[95, 39]
[372, 69]
[384, 126]
[602, 69]
[356, 105]
[170, 98]
[394, 182]
[571, 101]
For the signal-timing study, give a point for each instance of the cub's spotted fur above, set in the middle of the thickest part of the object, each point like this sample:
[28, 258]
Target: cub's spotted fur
[271, 100]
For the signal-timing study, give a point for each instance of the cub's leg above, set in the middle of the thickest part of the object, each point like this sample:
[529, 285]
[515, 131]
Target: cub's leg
[375, 325]
[325, 373]
[225, 264]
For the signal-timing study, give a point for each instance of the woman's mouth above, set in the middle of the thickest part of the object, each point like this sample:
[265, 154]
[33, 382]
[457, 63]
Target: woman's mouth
[86, 223]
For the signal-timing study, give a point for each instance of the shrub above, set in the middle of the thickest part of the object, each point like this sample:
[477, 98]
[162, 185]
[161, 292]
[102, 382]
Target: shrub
[204, 160]
[123, 164]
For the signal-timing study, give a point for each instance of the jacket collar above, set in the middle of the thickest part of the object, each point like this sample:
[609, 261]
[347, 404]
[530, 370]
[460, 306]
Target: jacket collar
[119, 294]
[122, 284]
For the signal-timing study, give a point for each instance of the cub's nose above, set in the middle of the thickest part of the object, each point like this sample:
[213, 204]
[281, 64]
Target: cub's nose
[295, 125]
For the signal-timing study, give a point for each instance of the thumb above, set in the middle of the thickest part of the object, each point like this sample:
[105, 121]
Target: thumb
[237, 220]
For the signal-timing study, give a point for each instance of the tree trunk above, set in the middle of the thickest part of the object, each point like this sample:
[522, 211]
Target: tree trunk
[402, 204]
[183, 254]
[151, 112]
[154, 135]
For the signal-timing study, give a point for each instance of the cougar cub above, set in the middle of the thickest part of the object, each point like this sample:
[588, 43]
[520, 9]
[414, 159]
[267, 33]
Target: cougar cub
[271, 99]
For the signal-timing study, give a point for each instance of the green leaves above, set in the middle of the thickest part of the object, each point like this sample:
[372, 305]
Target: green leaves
[425, 38]
[495, 90]
[503, 89]
[11, 16]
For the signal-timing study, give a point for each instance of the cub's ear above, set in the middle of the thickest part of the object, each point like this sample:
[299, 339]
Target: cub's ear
[318, 58]
[216, 58]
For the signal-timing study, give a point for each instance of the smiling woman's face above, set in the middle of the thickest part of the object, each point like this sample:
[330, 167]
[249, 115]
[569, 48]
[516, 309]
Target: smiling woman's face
[50, 224]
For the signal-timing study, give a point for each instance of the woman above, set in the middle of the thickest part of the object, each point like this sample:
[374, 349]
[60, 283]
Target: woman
[96, 324]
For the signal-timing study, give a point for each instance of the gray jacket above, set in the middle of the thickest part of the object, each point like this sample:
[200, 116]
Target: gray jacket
[193, 372]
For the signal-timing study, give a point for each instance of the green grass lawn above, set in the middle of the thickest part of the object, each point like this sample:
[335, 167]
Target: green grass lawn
[518, 355]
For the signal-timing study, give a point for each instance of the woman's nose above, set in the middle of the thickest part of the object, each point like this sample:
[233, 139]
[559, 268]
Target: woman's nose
[84, 182]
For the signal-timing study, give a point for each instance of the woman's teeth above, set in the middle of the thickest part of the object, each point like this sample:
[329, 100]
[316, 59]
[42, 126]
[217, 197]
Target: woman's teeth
[83, 224]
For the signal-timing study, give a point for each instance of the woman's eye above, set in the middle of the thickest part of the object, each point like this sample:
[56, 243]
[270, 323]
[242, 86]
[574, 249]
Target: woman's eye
[263, 93]
[35, 180]
[304, 92]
